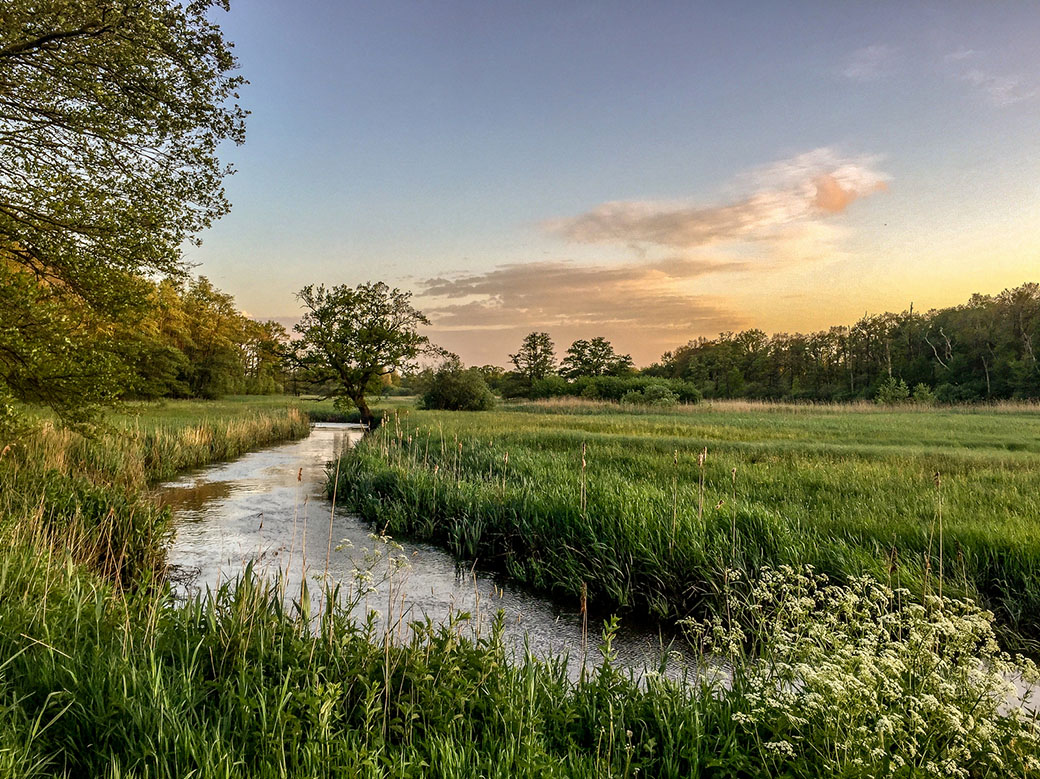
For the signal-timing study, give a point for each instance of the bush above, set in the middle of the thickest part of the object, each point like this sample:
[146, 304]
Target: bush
[455, 388]
[923, 395]
[653, 395]
[548, 387]
[892, 391]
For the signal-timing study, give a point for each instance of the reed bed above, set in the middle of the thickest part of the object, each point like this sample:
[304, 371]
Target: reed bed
[241, 682]
[104, 674]
[647, 512]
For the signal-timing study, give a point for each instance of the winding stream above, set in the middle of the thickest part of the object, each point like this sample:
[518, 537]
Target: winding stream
[269, 507]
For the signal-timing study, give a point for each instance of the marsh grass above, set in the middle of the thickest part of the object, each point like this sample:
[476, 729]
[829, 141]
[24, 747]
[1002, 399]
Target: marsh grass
[103, 673]
[83, 492]
[651, 523]
[244, 682]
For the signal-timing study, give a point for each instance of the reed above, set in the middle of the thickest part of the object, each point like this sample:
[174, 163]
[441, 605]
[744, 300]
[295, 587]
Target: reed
[103, 673]
[656, 522]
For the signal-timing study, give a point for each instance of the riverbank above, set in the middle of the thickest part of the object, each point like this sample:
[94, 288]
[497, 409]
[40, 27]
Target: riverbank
[647, 512]
[103, 673]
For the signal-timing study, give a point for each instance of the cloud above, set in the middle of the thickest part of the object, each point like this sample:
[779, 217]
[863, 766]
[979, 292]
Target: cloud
[1002, 91]
[779, 215]
[960, 54]
[806, 187]
[869, 64]
[644, 307]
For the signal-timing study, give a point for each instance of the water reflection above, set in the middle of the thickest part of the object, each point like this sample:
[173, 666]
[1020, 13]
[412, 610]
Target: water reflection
[269, 507]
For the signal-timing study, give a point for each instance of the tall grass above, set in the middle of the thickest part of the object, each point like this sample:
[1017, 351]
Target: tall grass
[83, 493]
[104, 674]
[641, 523]
[100, 683]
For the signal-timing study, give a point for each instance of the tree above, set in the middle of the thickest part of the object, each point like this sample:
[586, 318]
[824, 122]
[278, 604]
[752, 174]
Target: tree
[111, 115]
[594, 358]
[536, 357]
[350, 337]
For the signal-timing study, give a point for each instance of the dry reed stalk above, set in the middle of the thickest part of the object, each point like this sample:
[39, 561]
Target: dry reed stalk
[675, 498]
[583, 485]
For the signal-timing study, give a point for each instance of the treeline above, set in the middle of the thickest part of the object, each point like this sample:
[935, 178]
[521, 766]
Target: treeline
[984, 349]
[191, 341]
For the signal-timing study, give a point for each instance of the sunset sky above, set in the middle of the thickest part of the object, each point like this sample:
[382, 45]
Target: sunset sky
[649, 172]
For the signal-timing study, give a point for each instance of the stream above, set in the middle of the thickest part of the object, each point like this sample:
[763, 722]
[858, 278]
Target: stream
[269, 507]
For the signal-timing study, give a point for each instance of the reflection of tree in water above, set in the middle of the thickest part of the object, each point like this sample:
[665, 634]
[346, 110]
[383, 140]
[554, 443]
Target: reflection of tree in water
[192, 498]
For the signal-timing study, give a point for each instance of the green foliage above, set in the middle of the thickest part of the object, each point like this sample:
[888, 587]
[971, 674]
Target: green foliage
[982, 350]
[849, 492]
[865, 680]
[653, 395]
[455, 388]
[536, 357]
[351, 337]
[112, 116]
[923, 395]
[52, 351]
[547, 387]
[892, 391]
[594, 358]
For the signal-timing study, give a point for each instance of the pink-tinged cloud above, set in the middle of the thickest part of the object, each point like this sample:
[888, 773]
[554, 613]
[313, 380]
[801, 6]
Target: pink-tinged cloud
[805, 188]
[833, 198]
[640, 306]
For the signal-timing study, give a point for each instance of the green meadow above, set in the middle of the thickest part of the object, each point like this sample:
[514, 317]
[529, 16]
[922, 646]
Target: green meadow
[104, 673]
[647, 511]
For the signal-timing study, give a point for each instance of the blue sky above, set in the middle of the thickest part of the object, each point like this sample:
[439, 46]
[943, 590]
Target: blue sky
[651, 172]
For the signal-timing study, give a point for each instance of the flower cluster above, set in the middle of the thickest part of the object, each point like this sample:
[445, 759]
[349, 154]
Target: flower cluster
[862, 680]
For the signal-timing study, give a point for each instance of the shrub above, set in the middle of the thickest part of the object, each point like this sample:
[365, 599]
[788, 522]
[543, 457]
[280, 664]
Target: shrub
[864, 680]
[892, 391]
[923, 395]
[652, 395]
[455, 388]
[548, 387]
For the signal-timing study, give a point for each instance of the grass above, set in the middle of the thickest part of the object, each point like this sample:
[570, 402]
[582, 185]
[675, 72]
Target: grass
[103, 673]
[642, 526]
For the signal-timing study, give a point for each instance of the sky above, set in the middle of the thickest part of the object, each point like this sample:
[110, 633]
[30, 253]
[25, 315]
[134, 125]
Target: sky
[647, 172]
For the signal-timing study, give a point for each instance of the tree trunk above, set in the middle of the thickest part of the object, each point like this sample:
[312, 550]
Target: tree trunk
[366, 412]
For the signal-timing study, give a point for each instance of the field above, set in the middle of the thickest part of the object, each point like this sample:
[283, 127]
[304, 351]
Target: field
[648, 511]
[103, 673]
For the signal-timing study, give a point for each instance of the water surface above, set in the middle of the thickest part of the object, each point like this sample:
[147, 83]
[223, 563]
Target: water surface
[270, 507]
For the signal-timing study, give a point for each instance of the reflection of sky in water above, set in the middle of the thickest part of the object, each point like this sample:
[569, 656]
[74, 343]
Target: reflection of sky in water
[269, 507]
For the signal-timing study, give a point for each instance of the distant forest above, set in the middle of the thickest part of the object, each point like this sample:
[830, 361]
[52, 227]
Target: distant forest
[188, 339]
[981, 350]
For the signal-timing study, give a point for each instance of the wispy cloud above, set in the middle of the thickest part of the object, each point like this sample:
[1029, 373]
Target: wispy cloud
[1002, 91]
[960, 54]
[869, 63]
[803, 188]
[638, 305]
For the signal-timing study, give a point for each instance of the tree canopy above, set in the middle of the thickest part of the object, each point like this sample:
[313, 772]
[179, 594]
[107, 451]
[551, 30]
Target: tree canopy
[594, 358]
[111, 115]
[536, 357]
[351, 336]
